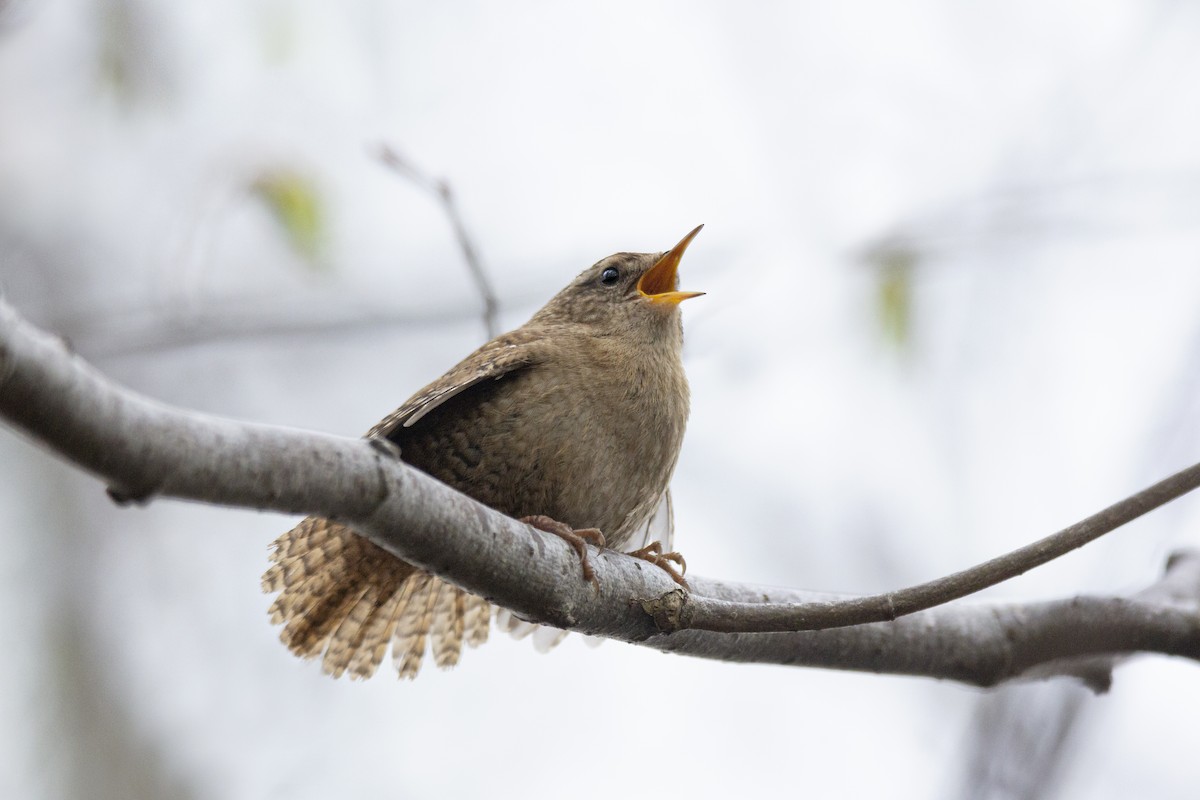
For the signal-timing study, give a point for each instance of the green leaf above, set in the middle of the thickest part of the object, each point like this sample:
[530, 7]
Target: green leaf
[295, 202]
[894, 269]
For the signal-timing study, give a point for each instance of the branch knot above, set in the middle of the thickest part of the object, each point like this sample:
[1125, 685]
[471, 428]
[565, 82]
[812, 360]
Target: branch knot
[669, 611]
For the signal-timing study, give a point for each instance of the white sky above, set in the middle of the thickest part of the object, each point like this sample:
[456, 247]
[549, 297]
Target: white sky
[1040, 158]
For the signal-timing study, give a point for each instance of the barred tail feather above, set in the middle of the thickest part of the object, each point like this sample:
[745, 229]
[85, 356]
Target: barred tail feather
[408, 648]
[346, 639]
[375, 637]
[345, 599]
[477, 617]
[446, 632]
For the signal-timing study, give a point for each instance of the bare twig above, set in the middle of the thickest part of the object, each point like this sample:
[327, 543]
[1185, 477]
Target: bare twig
[1080, 637]
[144, 449]
[708, 614]
[445, 196]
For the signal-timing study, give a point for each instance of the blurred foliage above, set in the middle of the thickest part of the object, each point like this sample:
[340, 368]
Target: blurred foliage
[117, 32]
[129, 50]
[894, 264]
[295, 202]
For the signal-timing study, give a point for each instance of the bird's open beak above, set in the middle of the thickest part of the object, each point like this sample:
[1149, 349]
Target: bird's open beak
[658, 283]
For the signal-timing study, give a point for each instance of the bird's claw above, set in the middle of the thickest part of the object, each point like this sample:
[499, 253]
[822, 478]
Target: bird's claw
[578, 539]
[653, 553]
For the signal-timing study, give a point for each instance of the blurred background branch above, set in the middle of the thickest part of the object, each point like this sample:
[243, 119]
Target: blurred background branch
[441, 190]
[953, 262]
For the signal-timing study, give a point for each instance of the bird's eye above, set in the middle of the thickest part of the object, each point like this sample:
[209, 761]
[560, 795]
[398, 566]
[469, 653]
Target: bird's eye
[610, 276]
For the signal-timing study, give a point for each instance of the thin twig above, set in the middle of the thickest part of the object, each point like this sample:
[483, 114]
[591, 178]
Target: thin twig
[440, 189]
[708, 614]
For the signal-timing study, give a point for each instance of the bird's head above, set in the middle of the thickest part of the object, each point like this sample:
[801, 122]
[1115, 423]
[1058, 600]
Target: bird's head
[625, 293]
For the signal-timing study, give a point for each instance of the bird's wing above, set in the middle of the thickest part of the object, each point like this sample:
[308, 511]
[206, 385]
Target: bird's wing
[499, 357]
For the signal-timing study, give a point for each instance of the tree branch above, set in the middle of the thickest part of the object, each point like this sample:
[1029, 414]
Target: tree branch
[143, 450]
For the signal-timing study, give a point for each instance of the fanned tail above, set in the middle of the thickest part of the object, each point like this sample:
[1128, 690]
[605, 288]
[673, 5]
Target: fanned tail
[345, 599]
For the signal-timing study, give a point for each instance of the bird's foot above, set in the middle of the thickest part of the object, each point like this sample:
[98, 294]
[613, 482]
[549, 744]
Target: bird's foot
[577, 538]
[653, 553]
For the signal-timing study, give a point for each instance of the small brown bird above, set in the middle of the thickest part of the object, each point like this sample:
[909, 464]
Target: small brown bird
[572, 422]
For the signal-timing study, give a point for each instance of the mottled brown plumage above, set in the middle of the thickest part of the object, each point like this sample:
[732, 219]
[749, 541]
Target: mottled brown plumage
[578, 415]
